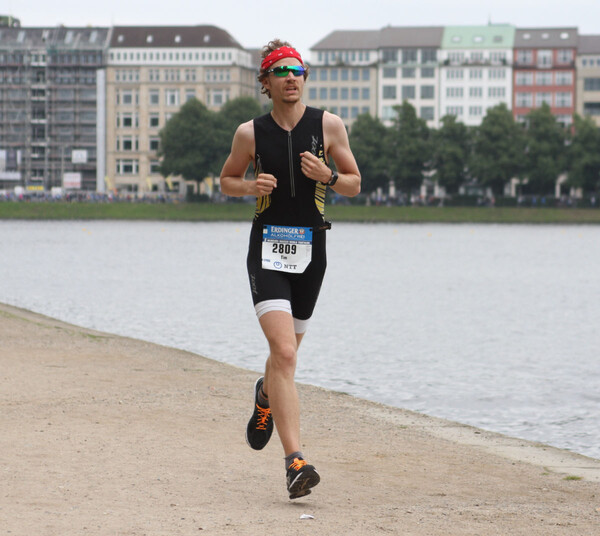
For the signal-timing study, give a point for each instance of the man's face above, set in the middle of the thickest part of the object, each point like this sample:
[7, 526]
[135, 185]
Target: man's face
[286, 88]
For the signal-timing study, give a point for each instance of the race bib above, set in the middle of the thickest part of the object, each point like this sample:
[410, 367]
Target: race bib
[286, 249]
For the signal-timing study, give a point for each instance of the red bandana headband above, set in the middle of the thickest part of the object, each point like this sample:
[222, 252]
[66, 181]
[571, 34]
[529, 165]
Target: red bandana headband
[279, 54]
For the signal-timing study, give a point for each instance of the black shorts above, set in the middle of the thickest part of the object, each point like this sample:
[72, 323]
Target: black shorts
[301, 290]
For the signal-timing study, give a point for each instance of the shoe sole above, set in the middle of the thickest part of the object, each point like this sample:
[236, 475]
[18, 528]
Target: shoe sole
[301, 486]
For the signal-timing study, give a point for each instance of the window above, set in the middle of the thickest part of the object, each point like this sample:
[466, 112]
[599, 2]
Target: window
[498, 57]
[126, 120]
[333, 93]
[543, 79]
[591, 84]
[334, 75]
[456, 58]
[497, 74]
[454, 74]
[454, 110]
[366, 93]
[544, 58]
[564, 99]
[476, 92]
[389, 72]
[409, 72]
[543, 98]
[454, 92]
[354, 112]
[564, 56]
[322, 93]
[476, 57]
[312, 93]
[355, 94]
[408, 92]
[427, 72]
[525, 57]
[154, 97]
[388, 113]
[172, 97]
[427, 92]
[389, 92]
[344, 73]
[497, 92]
[366, 74]
[426, 112]
[524, 78]
[344, 93]
[344, 112]
[591, 108]
[524, 100]
[127, 167]
[154, 167]
[126, 143]
[390, 55]
[428, 55]
[323, 75]
[154, 121]
[475, 111]
[564, 78]
[154, 144]
[409, 56]
[356, 74]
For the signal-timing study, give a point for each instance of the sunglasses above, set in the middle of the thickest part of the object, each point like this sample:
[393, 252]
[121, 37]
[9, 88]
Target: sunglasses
[284, 70]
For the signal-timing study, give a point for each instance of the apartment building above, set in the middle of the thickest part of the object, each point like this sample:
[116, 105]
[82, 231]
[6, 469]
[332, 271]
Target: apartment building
[408, 71]
[343, 74]
[475, 70]
[588, 77]
[544, 71]
[49, 105]
[151, 72]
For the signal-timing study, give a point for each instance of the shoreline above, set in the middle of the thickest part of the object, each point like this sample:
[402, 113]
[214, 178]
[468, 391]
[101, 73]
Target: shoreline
[111, 435]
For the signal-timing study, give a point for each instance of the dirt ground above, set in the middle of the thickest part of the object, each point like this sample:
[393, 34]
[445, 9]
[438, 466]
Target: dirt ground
[104, 435]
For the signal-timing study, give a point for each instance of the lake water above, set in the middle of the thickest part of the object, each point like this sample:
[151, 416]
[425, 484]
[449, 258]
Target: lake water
[493, 326]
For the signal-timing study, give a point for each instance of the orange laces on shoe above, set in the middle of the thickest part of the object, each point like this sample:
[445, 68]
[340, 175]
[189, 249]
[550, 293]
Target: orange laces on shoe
[297, 464]
[263, 417]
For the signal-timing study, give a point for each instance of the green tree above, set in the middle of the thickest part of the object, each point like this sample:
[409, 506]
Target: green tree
[228, 118]
[545, 153]
[584, 156]
[410, 149]
[498, 149]
[369, 139]
[451, 147]
[188, 143]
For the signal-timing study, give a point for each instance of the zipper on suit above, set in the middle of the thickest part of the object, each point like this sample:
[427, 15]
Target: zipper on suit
[291, 164]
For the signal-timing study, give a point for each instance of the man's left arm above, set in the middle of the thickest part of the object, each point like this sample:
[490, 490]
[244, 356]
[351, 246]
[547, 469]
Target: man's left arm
[338, 147]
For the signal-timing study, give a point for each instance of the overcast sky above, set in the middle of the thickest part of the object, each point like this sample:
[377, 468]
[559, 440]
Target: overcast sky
[305, 22]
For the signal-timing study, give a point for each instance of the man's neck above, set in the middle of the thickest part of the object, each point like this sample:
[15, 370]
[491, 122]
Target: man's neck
[287, 115]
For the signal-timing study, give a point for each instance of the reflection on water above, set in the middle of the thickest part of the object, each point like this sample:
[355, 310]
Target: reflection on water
[494, 326]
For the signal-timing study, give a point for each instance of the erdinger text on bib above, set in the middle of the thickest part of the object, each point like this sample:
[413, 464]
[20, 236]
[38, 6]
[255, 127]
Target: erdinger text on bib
[286, 248]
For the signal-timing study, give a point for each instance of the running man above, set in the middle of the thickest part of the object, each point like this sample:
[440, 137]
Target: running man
[289, 148]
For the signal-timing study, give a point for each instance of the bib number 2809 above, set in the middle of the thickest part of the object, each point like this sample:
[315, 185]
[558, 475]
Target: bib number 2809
[286, 248]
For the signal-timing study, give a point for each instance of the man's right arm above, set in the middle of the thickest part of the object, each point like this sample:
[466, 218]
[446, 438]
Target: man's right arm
[234, 169]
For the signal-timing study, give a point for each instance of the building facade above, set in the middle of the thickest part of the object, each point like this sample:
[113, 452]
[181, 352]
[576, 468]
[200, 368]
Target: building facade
[49, 106]
[475, 70]
[588, 77]
[151, 72]
[544, 71]
[343, 74]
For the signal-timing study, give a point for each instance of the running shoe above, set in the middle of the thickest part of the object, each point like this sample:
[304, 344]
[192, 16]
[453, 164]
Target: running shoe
[260, 425]
[300, 478]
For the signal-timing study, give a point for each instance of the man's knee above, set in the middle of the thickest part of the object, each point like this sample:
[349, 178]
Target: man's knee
[283, 356]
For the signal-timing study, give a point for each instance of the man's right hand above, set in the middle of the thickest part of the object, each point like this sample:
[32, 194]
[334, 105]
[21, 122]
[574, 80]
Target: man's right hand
[265, 182]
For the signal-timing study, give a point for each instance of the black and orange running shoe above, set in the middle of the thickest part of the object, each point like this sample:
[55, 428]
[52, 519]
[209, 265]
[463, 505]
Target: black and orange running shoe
[260, 425]
[300, 478]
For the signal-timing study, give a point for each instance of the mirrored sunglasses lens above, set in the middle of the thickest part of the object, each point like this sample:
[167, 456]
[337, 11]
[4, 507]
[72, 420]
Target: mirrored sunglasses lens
[283, 71]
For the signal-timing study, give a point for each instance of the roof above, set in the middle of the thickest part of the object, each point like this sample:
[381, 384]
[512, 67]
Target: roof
[171, 36]
[411, 36]
[589, 44]
[348, 40]
[60, 37]
[479, 37]
[546, 38]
